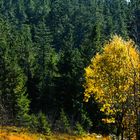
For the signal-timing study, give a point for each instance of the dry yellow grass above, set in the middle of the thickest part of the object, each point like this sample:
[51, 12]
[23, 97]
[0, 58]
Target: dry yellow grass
[14, 136]
[13, 133]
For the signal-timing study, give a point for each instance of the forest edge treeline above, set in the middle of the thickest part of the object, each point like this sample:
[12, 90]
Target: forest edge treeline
[44, 47]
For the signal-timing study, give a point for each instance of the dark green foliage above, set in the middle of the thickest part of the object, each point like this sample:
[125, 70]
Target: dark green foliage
[33, 125]
[13, 90]
[39, 123]
[22, 116]
[45, 46]
[134, 20]
[85, 120]
[63, 124]
[43, 125]
[79, 129]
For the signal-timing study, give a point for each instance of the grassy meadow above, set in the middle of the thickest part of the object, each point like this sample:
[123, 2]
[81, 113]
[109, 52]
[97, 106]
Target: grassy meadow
[13, 133]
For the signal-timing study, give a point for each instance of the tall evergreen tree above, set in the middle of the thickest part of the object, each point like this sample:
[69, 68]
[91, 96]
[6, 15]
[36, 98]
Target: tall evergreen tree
[13, 93]
[134, 17]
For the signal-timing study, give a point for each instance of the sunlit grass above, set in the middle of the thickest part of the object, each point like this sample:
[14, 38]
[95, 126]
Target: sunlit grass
[13, 133]
[16, 136]
[6, 136]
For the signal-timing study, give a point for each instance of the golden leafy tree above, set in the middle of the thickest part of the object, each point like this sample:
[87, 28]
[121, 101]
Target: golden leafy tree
[113, 79]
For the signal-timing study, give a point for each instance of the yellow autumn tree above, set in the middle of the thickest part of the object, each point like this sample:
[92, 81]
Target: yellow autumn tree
[113, 78]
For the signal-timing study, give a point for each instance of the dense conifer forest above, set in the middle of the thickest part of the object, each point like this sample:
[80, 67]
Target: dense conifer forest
[45, 46]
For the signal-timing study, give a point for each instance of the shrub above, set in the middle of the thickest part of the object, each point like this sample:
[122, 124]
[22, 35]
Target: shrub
[79, 130]
[85, 120]
[34, 123]
[62, 124]
[39, 123]
[43, 124]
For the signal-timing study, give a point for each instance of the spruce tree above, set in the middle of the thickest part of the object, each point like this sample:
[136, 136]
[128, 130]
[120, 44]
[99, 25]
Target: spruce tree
[13, 93]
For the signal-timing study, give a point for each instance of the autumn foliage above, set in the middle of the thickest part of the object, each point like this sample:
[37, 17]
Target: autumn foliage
[112, 79]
